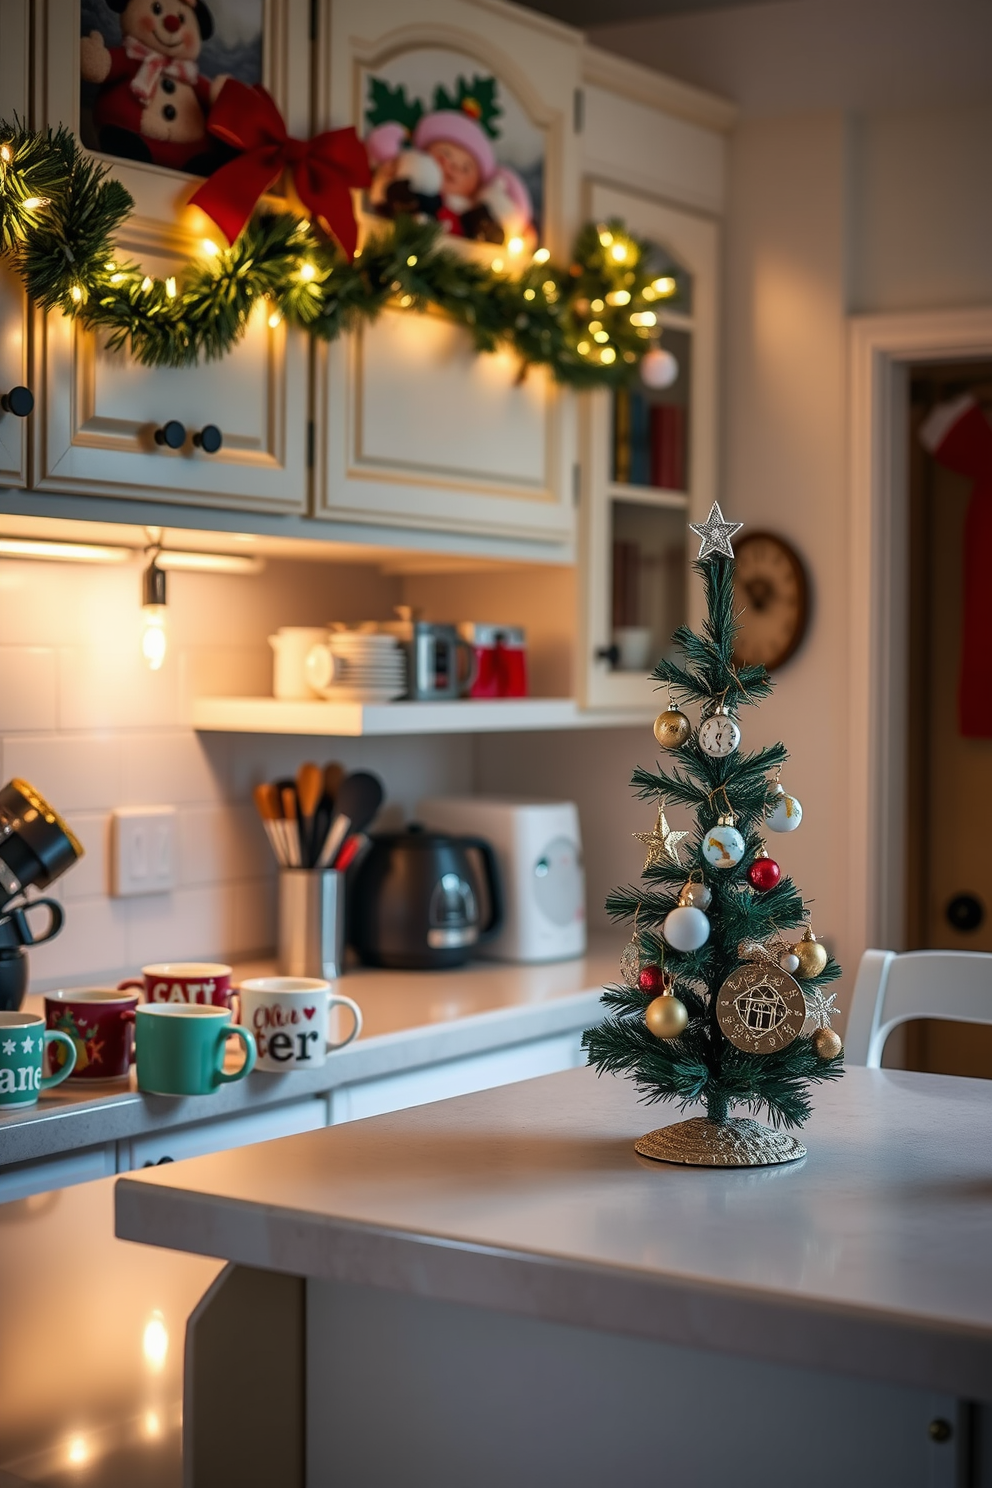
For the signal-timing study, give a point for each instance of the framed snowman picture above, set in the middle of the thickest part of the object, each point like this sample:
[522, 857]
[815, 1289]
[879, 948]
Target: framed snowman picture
[450, 142]
[150, 71]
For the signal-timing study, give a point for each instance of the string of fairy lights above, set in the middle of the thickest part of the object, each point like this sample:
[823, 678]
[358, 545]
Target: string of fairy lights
[592, 322]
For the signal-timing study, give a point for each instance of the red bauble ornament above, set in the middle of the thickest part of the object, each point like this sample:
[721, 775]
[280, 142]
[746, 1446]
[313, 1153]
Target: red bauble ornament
[651, 980]
[763, 874]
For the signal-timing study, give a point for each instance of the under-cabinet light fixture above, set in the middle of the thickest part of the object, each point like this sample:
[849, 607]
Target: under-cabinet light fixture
[62, 552]
[228, 563]
[154, 640]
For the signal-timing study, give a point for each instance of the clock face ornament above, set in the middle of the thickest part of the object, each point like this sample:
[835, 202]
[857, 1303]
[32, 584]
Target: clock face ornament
[770, 596]
[760, 1008]
[719, 734]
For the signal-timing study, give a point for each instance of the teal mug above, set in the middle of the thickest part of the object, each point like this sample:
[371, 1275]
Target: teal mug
[23, 1040]
[179, 1048]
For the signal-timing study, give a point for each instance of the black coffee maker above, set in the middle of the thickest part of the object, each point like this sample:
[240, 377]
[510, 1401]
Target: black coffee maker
[36, 847]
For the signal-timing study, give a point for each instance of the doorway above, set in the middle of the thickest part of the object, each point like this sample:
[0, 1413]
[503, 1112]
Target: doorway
[948, 776]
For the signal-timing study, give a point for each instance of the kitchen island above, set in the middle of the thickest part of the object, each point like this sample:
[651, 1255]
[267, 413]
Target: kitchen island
[495, 1289]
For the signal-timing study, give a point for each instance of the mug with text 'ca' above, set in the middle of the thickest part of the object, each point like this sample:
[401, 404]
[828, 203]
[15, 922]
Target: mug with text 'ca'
[206, 982]
[180, 1047]
[23, 1039]
[289, 1016]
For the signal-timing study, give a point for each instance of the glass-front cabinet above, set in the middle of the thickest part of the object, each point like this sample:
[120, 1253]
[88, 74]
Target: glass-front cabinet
[649, 461]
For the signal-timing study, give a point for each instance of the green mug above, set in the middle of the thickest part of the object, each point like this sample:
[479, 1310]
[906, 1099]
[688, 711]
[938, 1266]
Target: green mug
[179, 1048]
[23, 1039]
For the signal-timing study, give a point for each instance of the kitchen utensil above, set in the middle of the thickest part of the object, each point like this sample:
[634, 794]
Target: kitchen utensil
[417, 900]
[290, 645]
[538, 845]
[309, 788]
[287, 796]
[288, 1017]
[204, 982]
[269, 807]
[311, 922]
[36, 845]
[358, 799]
[23, 1039]
[500, 659]
[15, 934]
[100, 1023]
[179, 1049]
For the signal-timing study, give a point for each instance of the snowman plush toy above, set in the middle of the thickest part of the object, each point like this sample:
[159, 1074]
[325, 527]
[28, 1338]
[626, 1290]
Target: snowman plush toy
[153, 103]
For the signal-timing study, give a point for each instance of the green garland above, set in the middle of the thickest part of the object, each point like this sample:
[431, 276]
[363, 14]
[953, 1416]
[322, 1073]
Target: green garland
[590, 322]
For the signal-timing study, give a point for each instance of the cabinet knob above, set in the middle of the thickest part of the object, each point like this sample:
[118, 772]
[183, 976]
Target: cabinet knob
[172, 434]
[19, 401]
[151, 1163]
[608, 653]
[209, 439]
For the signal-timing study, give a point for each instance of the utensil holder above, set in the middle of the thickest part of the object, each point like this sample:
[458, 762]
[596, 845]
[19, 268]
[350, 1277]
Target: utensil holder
[311, 923]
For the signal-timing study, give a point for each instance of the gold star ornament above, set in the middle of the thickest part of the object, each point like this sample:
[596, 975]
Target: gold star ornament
[662, 843]
[715, 533]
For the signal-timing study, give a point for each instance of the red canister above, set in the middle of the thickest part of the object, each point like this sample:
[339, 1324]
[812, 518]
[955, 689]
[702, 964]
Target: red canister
[501, 659]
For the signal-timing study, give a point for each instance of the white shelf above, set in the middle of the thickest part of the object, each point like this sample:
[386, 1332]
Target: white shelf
[265, 715]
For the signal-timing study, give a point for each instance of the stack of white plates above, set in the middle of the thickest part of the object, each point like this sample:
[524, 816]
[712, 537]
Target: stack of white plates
[352, 666]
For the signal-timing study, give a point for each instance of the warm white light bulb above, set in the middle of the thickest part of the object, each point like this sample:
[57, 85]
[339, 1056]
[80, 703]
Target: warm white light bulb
[515, 246]
[155, 1342]
[154, 644]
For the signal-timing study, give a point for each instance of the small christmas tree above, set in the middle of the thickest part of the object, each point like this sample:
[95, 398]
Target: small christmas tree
[718, 1005]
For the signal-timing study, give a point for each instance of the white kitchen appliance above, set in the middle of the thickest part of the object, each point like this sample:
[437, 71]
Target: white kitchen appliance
[538, 847]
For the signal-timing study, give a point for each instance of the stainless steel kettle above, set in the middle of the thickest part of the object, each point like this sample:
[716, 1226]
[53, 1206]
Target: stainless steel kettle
[419, 902]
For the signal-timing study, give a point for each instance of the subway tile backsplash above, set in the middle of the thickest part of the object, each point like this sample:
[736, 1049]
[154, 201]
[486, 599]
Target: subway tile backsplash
[83, 718]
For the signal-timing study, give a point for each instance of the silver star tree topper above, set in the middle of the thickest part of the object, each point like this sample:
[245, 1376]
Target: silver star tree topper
[715, 533]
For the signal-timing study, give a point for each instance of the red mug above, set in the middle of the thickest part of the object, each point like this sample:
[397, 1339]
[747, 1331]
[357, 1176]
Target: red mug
[205, 982]
[100, 1023]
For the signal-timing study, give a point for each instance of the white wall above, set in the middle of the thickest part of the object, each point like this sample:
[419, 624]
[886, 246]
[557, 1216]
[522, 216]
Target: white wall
[83, 719]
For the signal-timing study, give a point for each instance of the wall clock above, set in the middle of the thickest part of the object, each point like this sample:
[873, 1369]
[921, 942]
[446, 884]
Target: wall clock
[770, 593]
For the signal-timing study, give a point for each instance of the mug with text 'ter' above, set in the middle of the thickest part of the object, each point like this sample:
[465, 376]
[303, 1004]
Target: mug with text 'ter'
[289, 1018]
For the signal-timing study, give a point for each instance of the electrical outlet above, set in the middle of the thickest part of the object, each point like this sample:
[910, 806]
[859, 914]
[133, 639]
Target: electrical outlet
[144, 850]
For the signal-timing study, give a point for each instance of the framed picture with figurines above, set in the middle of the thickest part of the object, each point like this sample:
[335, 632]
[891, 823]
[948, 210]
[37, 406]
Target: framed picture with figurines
[151, 70]
[452, 143]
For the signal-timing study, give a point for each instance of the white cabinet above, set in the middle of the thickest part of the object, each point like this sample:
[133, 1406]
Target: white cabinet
[413, 427]
[650, 465]
[99, 411]
[222, 1134]
[15, 69]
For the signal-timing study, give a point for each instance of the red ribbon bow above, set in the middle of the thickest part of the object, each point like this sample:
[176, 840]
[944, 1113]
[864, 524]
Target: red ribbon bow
[324, 168]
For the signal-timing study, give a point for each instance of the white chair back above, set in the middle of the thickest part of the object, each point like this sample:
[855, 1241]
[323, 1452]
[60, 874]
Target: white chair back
[893, 989]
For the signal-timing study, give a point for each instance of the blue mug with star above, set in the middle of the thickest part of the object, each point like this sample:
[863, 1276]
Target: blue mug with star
[23, 1040]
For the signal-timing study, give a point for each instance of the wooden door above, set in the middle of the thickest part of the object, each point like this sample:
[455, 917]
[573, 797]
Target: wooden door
[650, 466]
[413, 426]
[14, 74]
[99, 411]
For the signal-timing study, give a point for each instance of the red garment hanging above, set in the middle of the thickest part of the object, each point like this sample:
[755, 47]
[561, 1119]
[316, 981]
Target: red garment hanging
[959, 437]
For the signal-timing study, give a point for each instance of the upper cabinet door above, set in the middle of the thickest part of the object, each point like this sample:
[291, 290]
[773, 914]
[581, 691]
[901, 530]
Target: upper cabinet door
[468, 108]
[14, 426]
[99, 411]
[650, 464]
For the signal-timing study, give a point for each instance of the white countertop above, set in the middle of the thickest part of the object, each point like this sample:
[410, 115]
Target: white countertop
[872, 1256]
[411, 1019]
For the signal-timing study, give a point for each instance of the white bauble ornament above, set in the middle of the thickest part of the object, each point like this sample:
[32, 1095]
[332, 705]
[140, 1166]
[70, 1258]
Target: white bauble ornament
[719, 734]
[659, 369]
[696, 895]
[789, 962]
[723, 845]
[785, 813]
[685, 928]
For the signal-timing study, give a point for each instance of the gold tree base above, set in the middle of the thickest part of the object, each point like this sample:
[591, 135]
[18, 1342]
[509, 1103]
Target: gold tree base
[737, 1143]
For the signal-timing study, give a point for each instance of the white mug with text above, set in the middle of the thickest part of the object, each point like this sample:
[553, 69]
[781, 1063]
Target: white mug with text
[288, 1017]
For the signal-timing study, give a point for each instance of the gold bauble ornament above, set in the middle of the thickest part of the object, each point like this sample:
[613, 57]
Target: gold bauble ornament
[666, 1016]
[672, 728]
[812, 956]
[827, 1043]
